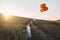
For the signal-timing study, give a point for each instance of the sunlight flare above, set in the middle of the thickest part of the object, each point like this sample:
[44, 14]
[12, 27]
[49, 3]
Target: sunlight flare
[6, 16]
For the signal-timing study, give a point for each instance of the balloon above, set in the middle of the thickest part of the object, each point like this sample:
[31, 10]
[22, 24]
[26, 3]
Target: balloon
[43, 5]
[41, 10]
[45, 9]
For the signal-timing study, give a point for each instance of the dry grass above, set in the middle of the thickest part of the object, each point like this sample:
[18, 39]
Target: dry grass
[14, 29]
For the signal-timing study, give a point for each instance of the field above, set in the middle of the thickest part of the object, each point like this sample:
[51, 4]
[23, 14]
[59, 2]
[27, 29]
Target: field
[14, 29]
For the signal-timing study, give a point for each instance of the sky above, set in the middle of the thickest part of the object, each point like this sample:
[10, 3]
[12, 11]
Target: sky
[31, 8]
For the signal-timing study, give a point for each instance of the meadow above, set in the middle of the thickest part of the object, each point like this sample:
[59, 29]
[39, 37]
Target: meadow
[14, 29]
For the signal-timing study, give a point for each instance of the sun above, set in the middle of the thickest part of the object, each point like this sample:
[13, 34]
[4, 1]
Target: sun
[6, 15]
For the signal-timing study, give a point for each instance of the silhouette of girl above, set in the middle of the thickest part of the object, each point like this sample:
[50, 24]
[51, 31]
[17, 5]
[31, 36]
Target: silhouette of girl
[28, 30]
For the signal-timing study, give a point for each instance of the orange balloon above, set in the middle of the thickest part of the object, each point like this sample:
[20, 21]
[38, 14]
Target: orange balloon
[41, 10]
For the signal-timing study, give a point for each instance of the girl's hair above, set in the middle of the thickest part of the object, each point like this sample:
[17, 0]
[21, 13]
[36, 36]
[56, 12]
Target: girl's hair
[28, 22]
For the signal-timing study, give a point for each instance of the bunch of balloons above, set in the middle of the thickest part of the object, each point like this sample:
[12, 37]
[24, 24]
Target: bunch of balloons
[43, 7]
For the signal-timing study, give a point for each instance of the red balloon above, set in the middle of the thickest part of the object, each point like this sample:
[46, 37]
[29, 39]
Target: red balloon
[43, 5]
[45, 9]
